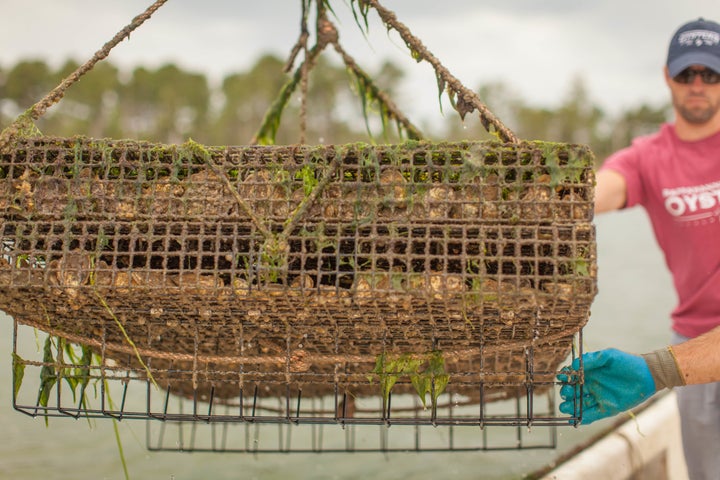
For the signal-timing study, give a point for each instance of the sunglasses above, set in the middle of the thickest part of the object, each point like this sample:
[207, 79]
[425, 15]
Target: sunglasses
[688, 75]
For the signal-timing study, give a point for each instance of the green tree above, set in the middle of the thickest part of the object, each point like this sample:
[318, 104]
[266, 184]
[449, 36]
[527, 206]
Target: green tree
[577, 120]
[333, 108]
[169, 105]
[637, 121]
[332, 115]
[246, 97]
[165, 105]
[89, 107]
[27, 82]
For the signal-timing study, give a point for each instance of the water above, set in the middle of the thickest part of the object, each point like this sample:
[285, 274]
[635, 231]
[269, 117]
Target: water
[630, 312]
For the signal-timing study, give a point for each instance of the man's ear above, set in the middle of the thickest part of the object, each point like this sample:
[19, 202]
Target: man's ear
[667, 75]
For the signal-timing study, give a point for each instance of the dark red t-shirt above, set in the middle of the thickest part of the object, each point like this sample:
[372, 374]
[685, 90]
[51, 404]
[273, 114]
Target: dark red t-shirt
[678, 184]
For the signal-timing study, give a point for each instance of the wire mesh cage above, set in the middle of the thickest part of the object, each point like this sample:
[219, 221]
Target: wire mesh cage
[416, 274]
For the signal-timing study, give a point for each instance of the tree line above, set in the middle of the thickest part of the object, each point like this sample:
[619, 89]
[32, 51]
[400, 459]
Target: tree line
[169, 104]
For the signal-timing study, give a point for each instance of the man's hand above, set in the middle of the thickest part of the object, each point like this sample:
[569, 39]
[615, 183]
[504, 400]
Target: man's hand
[615, 381]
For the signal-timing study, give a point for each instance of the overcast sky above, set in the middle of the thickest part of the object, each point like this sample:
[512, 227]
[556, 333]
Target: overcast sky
[536, 47]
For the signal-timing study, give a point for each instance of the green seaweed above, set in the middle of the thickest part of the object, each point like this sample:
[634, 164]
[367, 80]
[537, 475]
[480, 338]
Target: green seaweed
[18, 373]
[48, 376]
[426, 373]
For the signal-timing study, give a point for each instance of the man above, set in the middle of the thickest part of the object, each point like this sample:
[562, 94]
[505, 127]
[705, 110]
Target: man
[675, 175]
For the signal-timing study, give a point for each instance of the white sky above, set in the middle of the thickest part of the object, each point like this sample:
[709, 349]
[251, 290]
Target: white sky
[535, 47]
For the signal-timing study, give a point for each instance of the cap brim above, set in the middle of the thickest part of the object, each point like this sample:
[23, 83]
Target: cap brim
[705, 59]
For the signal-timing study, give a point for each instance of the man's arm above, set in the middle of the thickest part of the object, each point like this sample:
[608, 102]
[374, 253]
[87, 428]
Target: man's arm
[610, 191]
[699, 359]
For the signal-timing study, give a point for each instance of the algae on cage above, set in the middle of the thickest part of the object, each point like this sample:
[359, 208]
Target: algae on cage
[426, 373]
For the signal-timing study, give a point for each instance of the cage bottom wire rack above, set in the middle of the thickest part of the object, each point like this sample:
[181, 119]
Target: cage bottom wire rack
[255, 423]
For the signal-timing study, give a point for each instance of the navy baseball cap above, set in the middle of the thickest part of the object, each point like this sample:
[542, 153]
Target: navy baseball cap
[695, 43]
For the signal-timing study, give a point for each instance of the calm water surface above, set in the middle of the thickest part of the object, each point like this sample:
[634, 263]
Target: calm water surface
[630, 312]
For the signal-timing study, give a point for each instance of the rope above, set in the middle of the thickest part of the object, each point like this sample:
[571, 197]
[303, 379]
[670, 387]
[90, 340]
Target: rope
[466, 100]
[269, 126]
[326, 34]
[299, 356]
[39, 108]
[414, 132]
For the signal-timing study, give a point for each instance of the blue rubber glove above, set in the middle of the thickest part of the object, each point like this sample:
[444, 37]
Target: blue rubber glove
[615, 381]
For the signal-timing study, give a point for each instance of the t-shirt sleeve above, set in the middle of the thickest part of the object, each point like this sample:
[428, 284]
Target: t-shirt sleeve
[627, 163]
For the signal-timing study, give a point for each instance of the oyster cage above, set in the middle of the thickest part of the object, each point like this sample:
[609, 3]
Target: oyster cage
[237, 276]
